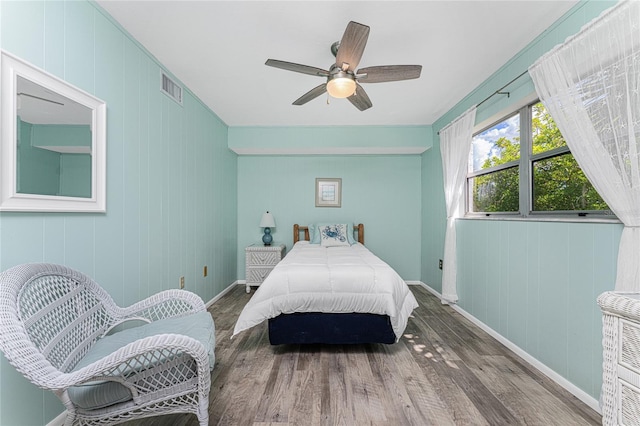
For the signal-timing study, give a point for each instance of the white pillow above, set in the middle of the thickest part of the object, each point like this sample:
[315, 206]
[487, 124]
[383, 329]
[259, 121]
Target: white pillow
[314, 232]
[333, 235]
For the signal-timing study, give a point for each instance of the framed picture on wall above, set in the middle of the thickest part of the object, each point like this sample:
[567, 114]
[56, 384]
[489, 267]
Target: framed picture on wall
[328, 192]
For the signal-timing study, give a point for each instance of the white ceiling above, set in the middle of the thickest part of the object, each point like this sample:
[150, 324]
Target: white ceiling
[39, 105]
[218, 49]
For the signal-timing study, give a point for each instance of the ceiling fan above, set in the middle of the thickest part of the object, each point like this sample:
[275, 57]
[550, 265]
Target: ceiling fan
[342, 79]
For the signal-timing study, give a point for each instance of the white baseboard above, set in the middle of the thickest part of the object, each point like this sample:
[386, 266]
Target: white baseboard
[222, 293]
[59, 420]
[576, 391]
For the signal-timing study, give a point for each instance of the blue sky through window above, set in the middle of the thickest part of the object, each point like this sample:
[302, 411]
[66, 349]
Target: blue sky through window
[483, 145]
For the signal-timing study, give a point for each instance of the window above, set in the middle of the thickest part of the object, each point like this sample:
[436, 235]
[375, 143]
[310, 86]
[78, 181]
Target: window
[494, 167]
[523, 166]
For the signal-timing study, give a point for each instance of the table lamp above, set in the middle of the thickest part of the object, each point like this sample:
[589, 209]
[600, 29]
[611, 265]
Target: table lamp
[267, 222]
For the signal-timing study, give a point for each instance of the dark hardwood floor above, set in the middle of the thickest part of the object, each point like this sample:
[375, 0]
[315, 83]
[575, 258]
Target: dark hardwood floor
[443, 371]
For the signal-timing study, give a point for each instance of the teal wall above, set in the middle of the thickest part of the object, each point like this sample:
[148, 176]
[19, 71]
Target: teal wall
[382, 192]
[75, 175]
[61, 135]
[38, 169]
[46, 172]
[171, 179]
[310, 138]
[75, 169]
[535, 283]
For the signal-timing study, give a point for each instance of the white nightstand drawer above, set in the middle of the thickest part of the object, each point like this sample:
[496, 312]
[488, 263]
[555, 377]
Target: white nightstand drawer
[260, 261]
[620, 395]
[629, 413]
[258, 258]
[257, 275]
[629, 345]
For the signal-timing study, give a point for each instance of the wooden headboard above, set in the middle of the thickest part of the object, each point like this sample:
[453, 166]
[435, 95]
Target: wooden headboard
[300, 228]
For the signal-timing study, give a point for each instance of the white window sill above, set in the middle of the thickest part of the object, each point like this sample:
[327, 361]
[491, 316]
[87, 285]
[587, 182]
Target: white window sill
[540, 218]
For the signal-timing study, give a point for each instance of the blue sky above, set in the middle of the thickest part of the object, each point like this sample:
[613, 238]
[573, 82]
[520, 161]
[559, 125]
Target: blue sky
[483, 144]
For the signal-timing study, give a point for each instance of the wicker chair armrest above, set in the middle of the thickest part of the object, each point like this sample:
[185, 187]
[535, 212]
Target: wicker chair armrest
[165, 304]
[129, 361]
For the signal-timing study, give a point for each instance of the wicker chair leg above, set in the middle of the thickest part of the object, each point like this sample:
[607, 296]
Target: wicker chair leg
[203, 411]
[71, 413]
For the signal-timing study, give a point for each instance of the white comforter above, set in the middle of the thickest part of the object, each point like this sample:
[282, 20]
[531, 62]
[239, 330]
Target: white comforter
[343, 279]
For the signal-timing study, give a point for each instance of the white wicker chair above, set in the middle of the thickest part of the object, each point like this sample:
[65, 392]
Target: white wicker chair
[52, 316]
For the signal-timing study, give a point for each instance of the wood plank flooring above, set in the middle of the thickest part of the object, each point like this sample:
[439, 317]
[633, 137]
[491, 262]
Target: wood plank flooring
[443, 371]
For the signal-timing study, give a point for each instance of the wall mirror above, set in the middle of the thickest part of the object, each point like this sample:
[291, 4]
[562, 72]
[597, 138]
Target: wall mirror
[53, 142]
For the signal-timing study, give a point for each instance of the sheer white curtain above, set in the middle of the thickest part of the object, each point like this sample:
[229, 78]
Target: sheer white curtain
[590, 85]
[455, 143]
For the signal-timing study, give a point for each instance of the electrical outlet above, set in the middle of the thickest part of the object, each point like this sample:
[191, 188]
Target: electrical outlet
[181, 282]
[204, 271]
[440, 263]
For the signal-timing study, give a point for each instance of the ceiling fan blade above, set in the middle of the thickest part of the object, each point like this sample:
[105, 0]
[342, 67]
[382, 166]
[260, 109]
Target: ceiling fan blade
[311, 94]
[360, 99]
[352, 45]
[290, 66]
[384, 73]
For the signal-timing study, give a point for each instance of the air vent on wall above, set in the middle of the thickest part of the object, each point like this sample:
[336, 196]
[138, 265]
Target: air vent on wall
[171, 89]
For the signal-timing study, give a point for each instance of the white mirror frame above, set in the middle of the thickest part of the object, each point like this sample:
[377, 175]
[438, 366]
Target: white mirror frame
[10, 200]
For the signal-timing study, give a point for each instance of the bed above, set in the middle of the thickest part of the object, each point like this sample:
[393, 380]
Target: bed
[330, 293]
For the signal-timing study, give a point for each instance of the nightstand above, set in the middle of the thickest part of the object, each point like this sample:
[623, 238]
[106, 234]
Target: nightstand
[260, 260]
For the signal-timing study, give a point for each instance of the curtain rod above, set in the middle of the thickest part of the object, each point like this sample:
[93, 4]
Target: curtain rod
[499, 91]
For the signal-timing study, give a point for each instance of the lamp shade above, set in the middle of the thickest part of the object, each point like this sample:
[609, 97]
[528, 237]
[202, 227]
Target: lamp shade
[267, 221]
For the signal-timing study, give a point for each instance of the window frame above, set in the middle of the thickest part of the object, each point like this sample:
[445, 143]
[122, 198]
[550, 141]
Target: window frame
[525, 169]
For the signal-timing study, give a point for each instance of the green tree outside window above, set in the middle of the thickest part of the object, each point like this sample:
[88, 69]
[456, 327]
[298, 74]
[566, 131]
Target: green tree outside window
[558, 182]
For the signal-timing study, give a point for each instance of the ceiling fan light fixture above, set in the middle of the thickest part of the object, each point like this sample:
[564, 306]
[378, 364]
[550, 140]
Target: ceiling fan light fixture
[342, 81]
[341, 85]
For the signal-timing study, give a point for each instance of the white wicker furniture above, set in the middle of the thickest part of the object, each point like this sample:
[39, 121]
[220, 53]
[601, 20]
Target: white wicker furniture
[260, 260]
[620, 397]
[53, 320]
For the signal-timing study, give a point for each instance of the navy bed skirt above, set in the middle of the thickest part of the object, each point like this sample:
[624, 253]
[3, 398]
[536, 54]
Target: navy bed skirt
[317, 327]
